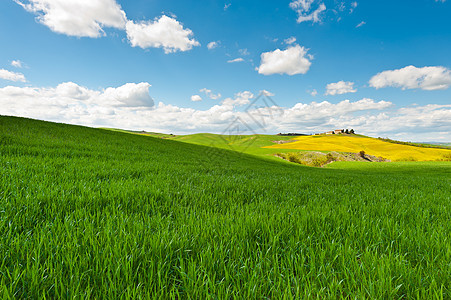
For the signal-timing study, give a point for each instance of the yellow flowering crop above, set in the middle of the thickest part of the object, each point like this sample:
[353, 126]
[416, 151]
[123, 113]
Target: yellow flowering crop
[372, 146]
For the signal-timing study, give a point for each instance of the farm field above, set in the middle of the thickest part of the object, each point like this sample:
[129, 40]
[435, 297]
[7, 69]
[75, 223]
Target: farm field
[372, 146]
[93, 213]
[264, 146]
[250, 144]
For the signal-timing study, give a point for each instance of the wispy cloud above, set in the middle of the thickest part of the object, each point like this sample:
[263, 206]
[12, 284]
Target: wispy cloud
[360, 24]
[305, 12]
[17, 64]
[290, 40]
[210, 94]
[239, 59]
[213, 45]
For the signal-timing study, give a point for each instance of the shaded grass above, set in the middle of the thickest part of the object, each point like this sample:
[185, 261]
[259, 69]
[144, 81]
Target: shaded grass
[89, 213]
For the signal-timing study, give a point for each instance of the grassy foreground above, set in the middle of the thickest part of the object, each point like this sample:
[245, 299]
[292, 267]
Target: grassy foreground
[90, 213]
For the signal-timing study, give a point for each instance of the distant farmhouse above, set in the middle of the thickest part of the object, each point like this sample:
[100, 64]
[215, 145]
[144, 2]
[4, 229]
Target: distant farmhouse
[337, 131]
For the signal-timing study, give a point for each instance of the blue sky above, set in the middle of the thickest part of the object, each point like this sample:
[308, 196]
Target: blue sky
[53, 51]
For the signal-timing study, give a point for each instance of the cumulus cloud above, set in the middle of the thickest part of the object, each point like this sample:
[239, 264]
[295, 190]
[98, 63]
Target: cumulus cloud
[129, 95]
[196, 98]
[67, 94]
[77, 18]
[410, 77]
[213, 45]
[242, 98]
[17, 64]
[239, 59]
[11, 76]
[294, 60]
[340, 88]
[130, 107]
[323, 114]
[305, 11]
[163, 32]
[313, 93]
[89, 18]
[375, 118]
[210, 94]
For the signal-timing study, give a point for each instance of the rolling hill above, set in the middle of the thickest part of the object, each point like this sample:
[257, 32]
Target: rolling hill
[92, 213]
[372, 146]
[264, 146]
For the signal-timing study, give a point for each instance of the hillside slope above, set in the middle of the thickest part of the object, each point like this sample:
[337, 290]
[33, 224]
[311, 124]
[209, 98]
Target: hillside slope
[90, 213]
[372, 146]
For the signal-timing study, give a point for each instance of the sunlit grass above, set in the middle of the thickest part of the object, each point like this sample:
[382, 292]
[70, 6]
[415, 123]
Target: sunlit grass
[89, 213]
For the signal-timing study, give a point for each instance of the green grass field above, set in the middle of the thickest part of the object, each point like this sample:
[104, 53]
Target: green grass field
[92, 213]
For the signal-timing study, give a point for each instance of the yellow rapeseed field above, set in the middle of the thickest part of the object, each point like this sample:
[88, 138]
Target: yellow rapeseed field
[371, 146]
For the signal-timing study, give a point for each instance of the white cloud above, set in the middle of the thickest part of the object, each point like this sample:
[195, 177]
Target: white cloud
[240, 99]
[235, 60]
[360, 24]
[71, 103]
[303, 5]
[353, 6]
[323, 114]
[410, 77]
[68, 93]
[196, 98]
[77, 18]
[11, 76]
[88, 18]
[244, 52]
[213, 45]
[226, 6]
[267, 93]
[117, 107]
[165, 32]
[340, 88]
[304, 10]
[210, 94]
[314, 16]
[17, 64]
[290, 40]
[129, 95]
[314, 93]
[291, 61]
